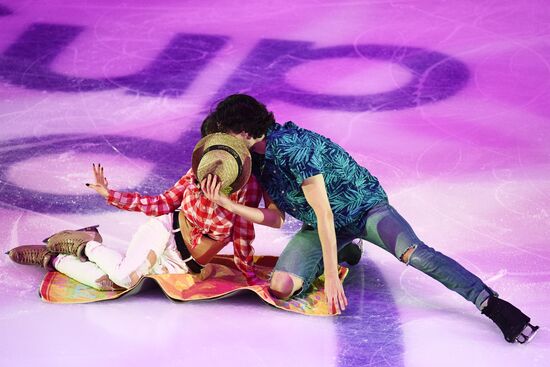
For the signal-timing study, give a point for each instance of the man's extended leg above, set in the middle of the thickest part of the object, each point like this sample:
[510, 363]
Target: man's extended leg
[389, 230]
[386, 228]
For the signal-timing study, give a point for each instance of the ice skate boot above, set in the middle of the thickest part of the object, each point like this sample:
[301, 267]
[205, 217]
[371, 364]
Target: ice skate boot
[351, 253]
[73, 242]
[514, 324]
[32, 255]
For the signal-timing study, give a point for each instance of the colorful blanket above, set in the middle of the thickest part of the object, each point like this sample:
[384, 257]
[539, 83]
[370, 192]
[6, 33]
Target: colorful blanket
[218, 279]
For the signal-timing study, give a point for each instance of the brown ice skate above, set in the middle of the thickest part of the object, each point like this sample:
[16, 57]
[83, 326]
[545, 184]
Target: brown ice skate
[73, 242]
[32, 255]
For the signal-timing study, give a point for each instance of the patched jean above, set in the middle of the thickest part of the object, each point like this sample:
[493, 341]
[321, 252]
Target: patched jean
[383, 226]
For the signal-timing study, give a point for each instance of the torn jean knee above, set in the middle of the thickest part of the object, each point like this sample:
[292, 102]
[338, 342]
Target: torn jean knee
[297, 291]
[413, 247]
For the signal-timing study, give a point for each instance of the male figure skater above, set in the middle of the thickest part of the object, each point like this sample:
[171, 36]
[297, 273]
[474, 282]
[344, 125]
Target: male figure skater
[319, 183]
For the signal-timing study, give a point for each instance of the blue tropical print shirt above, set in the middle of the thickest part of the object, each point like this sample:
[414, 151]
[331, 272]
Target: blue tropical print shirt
[294, 154]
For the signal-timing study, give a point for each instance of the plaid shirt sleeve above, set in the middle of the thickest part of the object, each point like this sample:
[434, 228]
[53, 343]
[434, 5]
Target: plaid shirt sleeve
[157, 205]
[243, 230]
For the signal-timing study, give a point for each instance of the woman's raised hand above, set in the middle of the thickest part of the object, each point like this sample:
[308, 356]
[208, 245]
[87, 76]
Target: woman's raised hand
[101, 184]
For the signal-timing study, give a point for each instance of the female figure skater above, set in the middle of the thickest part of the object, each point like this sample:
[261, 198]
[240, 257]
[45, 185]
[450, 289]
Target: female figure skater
[186, 229]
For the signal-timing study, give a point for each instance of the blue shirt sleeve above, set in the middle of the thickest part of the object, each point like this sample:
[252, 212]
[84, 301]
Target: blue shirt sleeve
[307, 160]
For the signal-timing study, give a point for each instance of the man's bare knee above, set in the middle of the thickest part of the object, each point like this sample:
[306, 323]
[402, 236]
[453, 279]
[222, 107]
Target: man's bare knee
[283, 285]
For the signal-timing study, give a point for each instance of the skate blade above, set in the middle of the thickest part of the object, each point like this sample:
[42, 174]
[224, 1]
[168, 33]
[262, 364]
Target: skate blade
[85, 229]
[526, 338]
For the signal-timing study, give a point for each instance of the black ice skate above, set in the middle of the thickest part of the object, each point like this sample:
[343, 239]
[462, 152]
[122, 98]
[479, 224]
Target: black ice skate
[351, 254]
[514, 324]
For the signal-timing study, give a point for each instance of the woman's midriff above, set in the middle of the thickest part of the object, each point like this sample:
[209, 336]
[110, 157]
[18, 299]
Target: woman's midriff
[207, 247]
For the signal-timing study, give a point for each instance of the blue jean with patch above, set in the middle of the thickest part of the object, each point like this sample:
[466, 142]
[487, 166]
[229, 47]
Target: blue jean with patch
[383, 226]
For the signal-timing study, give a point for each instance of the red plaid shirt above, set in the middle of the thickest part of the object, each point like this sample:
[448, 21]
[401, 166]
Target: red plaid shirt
[206, 217]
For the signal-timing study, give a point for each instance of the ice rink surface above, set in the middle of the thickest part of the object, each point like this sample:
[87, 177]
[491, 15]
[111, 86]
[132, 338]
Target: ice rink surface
[446, 102]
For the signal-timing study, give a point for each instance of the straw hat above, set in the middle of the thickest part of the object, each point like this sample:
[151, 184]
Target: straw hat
[224, 156]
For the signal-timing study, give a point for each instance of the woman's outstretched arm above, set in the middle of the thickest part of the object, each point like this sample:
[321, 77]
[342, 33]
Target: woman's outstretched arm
[154, 205]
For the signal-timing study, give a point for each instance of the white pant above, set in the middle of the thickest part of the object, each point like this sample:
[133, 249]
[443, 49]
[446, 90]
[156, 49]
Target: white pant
[152, 250]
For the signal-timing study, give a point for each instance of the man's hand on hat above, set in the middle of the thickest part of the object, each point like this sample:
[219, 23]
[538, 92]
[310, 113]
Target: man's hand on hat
[101, 184]
[210, 186]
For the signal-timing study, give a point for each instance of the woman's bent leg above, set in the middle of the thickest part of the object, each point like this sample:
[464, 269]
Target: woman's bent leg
[145, 248]
[86, 273]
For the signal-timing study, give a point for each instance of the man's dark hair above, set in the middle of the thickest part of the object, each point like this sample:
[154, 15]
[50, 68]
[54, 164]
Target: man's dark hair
[237, 113]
